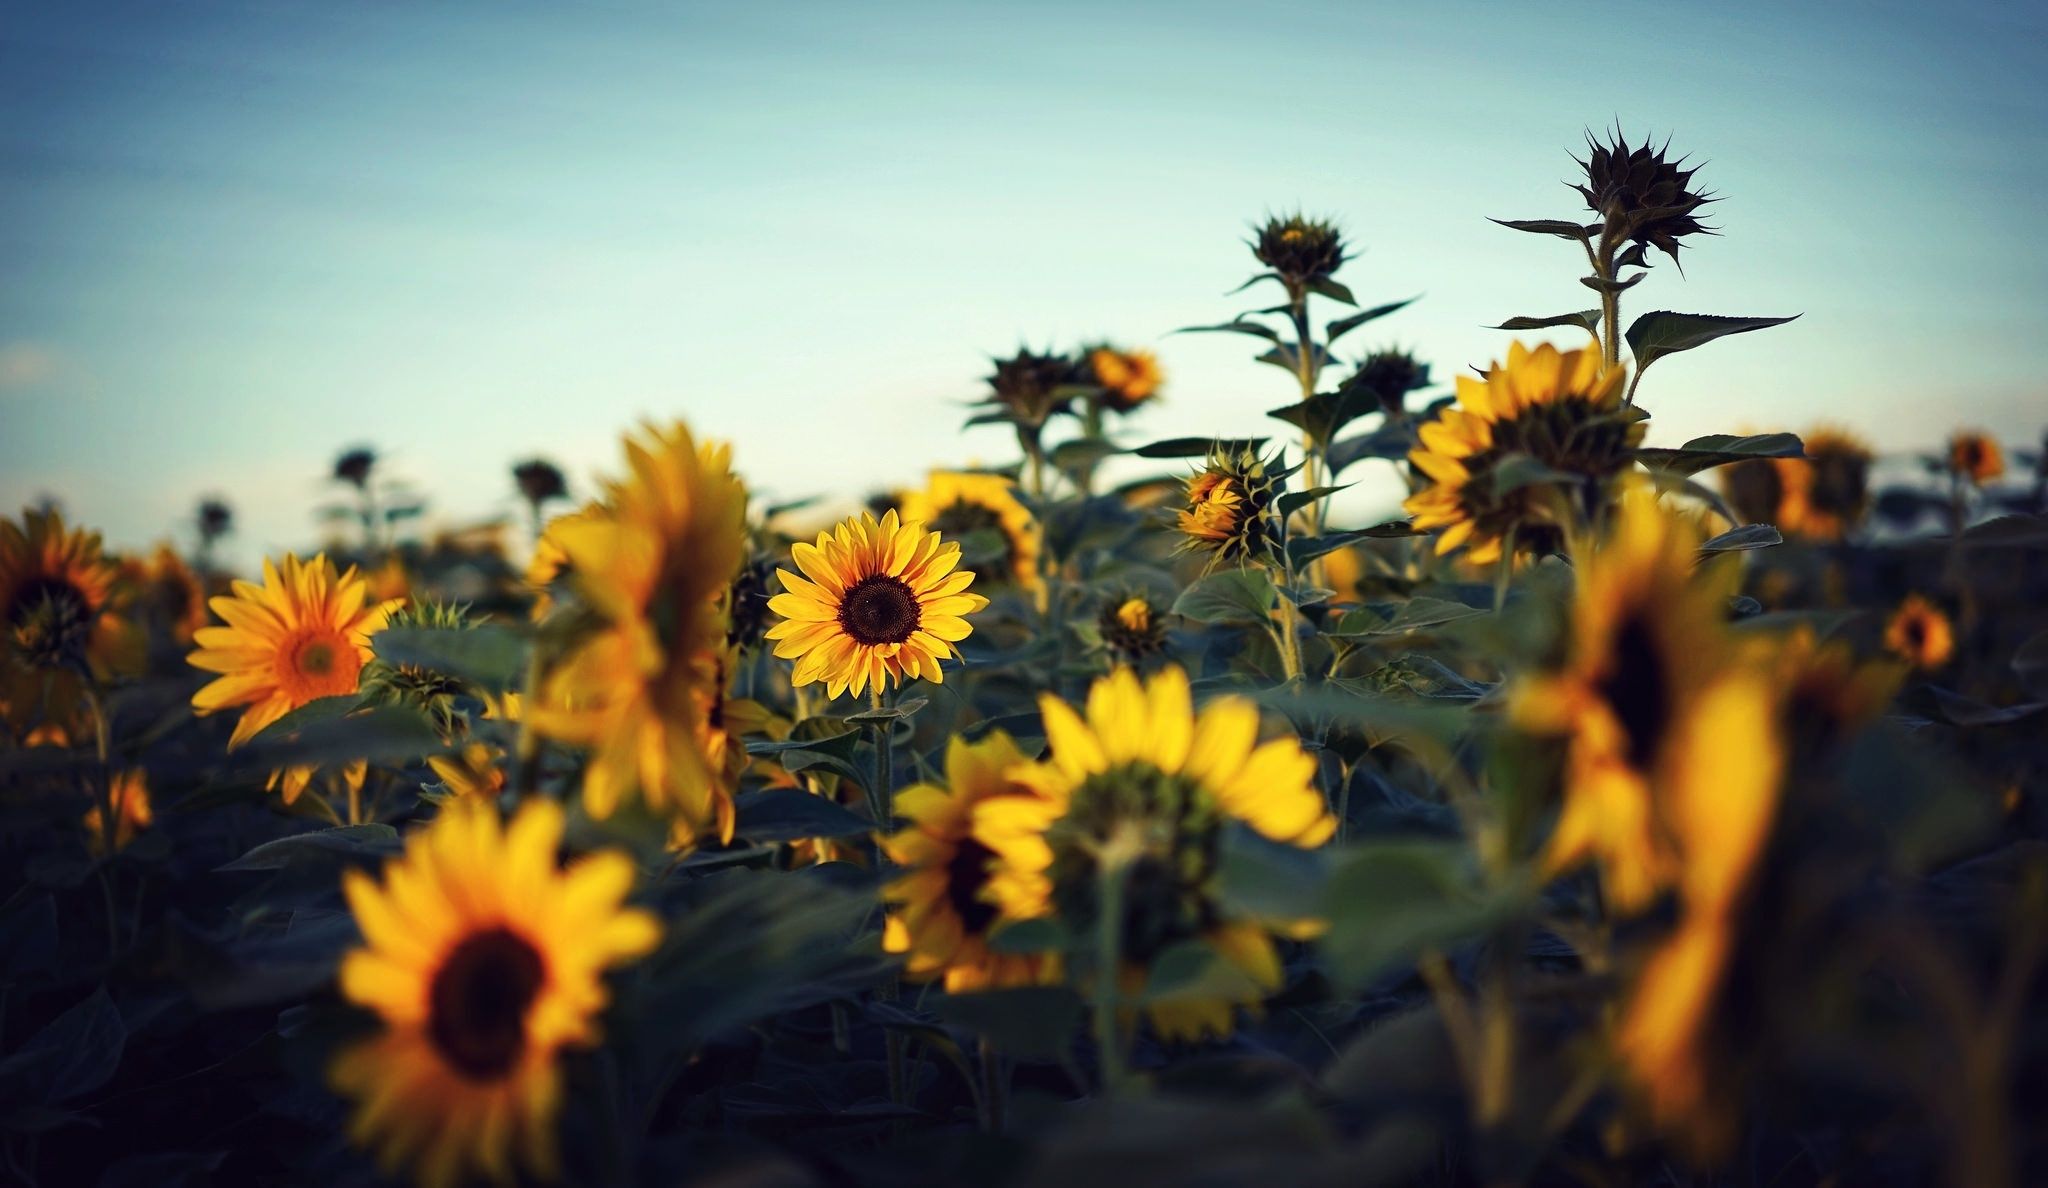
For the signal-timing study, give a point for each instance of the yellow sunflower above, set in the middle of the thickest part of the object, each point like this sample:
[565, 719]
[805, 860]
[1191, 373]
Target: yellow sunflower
[941, 912]
[128, 792]
[880, 602]
[1975, 457]
[1654, 699]
[483, 960]
[1230, 510]
[549, 563]
[60, 601]
[1920, 634]
[644, 691]
[476, 770]
[1127, 378]
[1827, 493]
[954, 504]
[302, 635]
[1145, 783]
[1558, 410]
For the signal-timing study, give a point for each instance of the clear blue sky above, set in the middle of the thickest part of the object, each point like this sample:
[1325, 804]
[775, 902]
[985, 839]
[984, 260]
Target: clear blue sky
[237, 237]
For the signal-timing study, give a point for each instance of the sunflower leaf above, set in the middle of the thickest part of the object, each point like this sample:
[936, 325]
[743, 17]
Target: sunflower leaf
[1518, 470]
[1334, 289]
[1194, 969]
[1662, 332]
[792, 814]
[1389, 901]
[370, 842]
[1346, 325]
[72, 1055]
[1303, 549]
[1239, 326]
[1229, 596]
[1561, 228]
[1028, 1022]
[1720, 449]
[1197, 447]
[1293, 501]
[1586, 319]
[487, 654]
[1391, 440]
[1748, 536]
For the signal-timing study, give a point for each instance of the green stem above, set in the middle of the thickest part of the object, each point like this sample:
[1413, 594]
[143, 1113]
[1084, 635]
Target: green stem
[1109, 1044]
[993, 1099]
[103, 789]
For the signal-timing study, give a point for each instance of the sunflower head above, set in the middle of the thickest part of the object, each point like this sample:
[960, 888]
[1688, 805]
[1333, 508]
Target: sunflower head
[128, 792]
[1385, 378]
[1920, 634]
[941, 907]
[539, 481]
[1139, 791]
[61, 600]
[215, 519]
[483, 961]
[355, 466]
[1127, 378]
[957, 504]
[879, 603]
[438, 695]
[1302, 251]
[1030, 388]
[1230, 510]
[1132, 627]
[1829, 691]
[168, 592]
[1558, 411]
[1975, 457]
[1827, 493]
[1755, 490]
[1644, 196]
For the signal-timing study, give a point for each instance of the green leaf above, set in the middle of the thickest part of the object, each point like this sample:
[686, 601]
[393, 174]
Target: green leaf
[980, 547]
[1325, 414]
[1274, 882]
[1749, 536]
[369, 843]
[1518, 470]
[1197, 447]
[489, 655]
[1027, 1022]
[1237, 327]
[1303, 549]
[792, 814]
[1416, 614]
[320, 709]
[1721, 449]
[74, 1054]
[1229, 596]
[1294, 501]
[1041, 934]
[1561, 228]
[1391, 440]
[1346, 325]
[1662, 332]
[1193, 969]
[1388, 901]
[1334, 289]
[385, 734]
[907, 708]
[1586, 319]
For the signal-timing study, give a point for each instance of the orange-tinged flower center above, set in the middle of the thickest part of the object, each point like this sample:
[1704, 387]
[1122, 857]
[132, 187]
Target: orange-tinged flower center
[319, 663]
[477, 1003]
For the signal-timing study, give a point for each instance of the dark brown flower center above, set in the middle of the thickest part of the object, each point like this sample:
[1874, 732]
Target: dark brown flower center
[879, 610]
[1636, 689]
[966, 875]
[477, 1004]
[52, 595]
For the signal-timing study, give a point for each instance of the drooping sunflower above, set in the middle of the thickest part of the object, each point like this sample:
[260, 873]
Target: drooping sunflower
[302, 635]
[1975, 457]
[880, 602]
[1920, 634]
[483, 960]
[1656, 703]
[941, 909]
[954, 504]
[1144, 783]
[128, 793]
[643, 692]
[1127, 378]
[1560, 409]
[1230, 509]
[1827, 493]
[60, 602]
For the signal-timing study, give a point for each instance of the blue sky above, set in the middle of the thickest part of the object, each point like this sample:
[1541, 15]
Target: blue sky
[236, 238]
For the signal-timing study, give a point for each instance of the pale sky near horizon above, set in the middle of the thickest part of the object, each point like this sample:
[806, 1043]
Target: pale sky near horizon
[236, 238]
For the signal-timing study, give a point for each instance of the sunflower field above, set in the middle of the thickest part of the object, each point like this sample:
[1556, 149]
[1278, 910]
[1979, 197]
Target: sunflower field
[1613, 815]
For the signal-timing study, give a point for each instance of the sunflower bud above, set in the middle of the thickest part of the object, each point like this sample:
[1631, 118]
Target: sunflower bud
[1387, 377]
[1230, 512]
[354, 467]
[438, 695]
[216, 519]
[1303, 251]
[1645, 199]
[1131, 629]
[539, 481]
[1030, 388]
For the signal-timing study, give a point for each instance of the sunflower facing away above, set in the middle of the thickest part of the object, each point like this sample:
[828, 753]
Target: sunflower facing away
[941, 908]
[59, 600]
[302, 635]
[1920, 634]
[880, 602]
[483, 960]
[1561, 410]
[644, 691]
[1143, 776]
[954, 504]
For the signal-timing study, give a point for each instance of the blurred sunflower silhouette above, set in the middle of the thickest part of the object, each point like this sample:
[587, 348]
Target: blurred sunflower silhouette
[60, 601]
[1920, 634]
[483, 960]
[1975, 457]
[955, 504]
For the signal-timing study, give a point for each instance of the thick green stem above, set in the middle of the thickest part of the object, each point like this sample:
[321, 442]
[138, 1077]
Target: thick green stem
[1109, 1043]
[992, 1101]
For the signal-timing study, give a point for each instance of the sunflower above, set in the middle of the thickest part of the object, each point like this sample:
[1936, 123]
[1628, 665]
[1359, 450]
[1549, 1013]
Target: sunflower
[1127, 378]
[1561, 411]
[1920, 634]
[483, 961]
[1975, 457]
[1826, 493]
[1655, 701]
[954, 504]
[128, 793]
[1132, 629]
[476, 770]
[1302, 252]
[1229, 510]
[879, 602]
[302, 635]
[1147, 782]
[941, 911]
[643, 691]
[60, 601]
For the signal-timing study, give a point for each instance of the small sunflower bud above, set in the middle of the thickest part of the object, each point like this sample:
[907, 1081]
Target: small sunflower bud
[1131, 629]
[354, 467]
[1645, 199]
[1303, 251]
[1031, 387]
[539, 481]
[1388, 376]
[438, 695]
